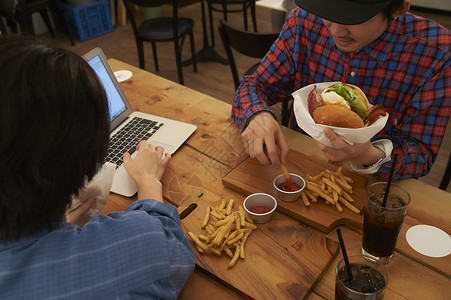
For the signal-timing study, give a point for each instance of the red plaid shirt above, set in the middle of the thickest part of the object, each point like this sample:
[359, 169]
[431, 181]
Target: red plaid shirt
[407, 69]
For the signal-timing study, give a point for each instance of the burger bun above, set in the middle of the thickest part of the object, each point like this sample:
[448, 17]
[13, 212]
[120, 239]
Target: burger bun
[338, 116]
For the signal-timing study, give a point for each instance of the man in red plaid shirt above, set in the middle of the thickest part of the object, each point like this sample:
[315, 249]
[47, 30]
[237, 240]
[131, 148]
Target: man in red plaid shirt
[399, 60]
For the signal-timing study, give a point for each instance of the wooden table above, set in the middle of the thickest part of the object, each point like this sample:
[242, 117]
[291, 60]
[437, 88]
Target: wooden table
[215, 149]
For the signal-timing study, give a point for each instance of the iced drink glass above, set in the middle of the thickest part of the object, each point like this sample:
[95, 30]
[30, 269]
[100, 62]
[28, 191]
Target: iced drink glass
[370, 279]
[382, 225]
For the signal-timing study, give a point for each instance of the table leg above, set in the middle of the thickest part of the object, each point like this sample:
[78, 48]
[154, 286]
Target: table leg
[207, 53]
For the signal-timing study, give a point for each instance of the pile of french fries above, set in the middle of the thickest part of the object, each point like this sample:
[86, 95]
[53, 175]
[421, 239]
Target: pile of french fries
[225, 230]
[334, 187]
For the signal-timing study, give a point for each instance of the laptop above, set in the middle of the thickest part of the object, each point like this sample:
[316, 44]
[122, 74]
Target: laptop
[125, 123]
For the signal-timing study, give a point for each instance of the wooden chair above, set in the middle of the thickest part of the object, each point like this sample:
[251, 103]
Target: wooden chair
[231, 6]
[40, 6]
[2, 26]
[10, 11]
[252, 44]
[23, 12]
[161, 29]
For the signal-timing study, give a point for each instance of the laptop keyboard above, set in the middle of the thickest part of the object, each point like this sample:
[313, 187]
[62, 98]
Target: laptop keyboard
[126, 139]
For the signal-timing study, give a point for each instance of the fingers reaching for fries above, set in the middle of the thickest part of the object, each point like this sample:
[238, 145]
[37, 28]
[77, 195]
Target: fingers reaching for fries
[225, 230]
[333, 187]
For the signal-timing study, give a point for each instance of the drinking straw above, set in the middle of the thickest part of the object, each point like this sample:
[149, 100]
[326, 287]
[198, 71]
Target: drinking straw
[287, 175]
[345, 256]
[390, 177]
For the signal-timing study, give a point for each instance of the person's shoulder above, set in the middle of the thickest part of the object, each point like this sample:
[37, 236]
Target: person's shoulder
[426, 30]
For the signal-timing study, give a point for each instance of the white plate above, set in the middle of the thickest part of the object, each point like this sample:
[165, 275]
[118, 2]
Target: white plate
[429, 240]
[123, 75]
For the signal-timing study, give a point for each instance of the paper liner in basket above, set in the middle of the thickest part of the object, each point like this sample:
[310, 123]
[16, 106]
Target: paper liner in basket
[316, 131]
[99, 189]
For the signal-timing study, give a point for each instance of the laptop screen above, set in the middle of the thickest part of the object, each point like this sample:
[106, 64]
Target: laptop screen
[115, 103]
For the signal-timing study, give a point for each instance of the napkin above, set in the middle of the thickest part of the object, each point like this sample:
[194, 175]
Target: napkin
[99, 189]
[316, 131]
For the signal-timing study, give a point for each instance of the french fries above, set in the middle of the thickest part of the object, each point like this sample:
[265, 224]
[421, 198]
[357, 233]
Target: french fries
[225, 230]
[333, 187]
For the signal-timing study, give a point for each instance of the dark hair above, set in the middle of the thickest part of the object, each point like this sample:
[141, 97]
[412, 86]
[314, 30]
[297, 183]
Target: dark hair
[392, 8]
[54, 133]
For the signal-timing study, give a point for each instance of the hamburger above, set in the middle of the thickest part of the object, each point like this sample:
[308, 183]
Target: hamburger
[343, 105]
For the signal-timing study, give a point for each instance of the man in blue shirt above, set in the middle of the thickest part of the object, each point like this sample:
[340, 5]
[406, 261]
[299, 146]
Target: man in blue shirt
[54, 133]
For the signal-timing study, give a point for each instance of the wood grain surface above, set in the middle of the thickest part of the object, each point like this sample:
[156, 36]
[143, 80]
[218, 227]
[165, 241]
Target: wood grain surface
[428, 206]
[216, 135]
[284, 259]
[197, 169]
[252, 177]
[408, 279]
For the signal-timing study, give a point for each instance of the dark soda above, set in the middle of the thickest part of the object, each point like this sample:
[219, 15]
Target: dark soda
[366, 279]
[381, 226]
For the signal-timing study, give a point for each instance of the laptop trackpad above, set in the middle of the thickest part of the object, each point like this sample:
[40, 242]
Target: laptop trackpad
[167, 148]
[122, 183]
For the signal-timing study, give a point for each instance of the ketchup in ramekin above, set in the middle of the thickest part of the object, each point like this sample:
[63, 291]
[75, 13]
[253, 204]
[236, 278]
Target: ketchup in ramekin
[293, 187]
[260, 209]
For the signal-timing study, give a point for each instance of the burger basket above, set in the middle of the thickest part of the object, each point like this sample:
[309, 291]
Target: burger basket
[316, 131]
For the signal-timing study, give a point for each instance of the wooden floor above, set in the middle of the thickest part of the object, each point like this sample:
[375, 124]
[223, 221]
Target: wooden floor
[212, 78]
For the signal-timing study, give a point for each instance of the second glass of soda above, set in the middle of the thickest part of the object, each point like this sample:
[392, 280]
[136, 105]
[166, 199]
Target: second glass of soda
[382, 224]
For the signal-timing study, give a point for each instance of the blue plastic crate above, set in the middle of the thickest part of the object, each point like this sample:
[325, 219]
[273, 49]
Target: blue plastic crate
[88, 21]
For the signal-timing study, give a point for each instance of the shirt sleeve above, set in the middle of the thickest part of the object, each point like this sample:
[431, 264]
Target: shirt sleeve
[272, 81]
[417, 131]
[140, 253]
[178, 257]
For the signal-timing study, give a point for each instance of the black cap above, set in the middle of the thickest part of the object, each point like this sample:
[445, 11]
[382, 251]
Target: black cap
[347, 12]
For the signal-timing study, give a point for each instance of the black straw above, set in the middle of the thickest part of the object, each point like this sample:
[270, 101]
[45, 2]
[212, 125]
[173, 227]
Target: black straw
[345, 256]
[390, 177]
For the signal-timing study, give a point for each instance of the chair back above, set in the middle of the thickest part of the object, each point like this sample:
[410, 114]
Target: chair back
[252, 44]
[8, 9]
[152, 3]
[146, 4]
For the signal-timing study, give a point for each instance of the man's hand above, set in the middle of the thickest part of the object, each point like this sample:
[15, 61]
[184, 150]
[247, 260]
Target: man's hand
[360, 154]
[75, 215]
[262, 137]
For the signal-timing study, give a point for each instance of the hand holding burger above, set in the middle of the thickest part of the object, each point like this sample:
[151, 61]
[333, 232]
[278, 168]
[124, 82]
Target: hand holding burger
[343, 105]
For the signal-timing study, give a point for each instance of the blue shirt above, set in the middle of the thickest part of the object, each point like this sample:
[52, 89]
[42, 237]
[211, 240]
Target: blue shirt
[138, 254]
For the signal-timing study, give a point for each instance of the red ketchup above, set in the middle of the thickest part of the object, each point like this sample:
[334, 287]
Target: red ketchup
[293, 187]
[260, 209]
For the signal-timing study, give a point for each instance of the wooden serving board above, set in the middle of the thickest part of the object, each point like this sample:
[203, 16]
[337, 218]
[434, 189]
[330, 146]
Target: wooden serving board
[253, 177]
[284, 258]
